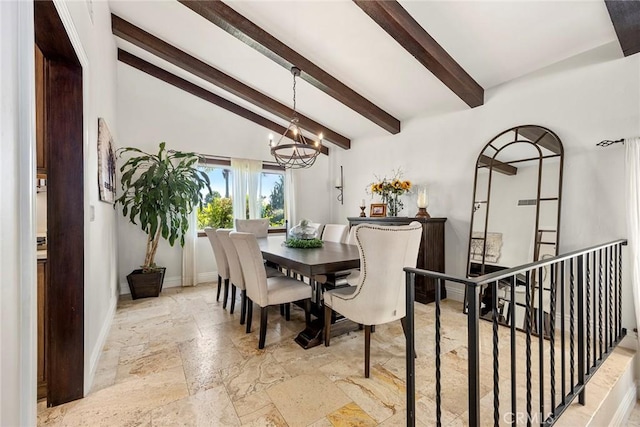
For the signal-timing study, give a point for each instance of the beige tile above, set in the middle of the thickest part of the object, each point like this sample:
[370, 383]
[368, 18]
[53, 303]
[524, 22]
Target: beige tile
[306, 398]
[267, 416]
[146, 359]
[381, 396]
[203, 360]
[208, 408]
[254, 374]
[351, 415]
[128, 403]
[322, 422]
[251, 403]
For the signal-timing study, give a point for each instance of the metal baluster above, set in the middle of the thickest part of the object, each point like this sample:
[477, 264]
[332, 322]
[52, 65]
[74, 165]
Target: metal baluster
[473, 331]
[581, 370]
[600, 342]
[587, 285]
[610, 300]
[512, 307]
[528, 341]
[619, 330]
[541, 339]
[606, 300]
[595, 317]
[496, 377]
[571, 322]
[438, 371]
[410, 360]
[553, 269]
[562, 334]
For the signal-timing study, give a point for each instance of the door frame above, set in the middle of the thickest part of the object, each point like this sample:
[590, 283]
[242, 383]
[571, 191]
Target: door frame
[68, 211]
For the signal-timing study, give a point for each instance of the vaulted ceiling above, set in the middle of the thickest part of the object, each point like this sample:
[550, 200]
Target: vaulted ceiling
[367, 66]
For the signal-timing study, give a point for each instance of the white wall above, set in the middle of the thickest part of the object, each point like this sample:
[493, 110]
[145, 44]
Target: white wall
[583, 100]
[17, 228]
[151, 111]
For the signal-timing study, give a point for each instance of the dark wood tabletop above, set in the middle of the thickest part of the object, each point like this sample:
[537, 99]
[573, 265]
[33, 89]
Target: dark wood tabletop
[330, 258]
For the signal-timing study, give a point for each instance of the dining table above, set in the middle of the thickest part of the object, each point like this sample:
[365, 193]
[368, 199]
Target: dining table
[327, 260]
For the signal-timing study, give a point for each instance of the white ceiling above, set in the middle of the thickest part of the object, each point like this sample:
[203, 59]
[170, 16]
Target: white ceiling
[494, 42]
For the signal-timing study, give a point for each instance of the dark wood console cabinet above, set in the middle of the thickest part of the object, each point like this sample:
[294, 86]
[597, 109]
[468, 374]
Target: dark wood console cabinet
[430, 256]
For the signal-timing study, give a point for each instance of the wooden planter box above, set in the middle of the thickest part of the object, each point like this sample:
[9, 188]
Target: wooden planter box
[144, 285]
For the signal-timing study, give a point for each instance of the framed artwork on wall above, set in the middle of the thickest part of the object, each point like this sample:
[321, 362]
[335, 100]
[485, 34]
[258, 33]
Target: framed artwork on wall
[378, 210]
[106, 163]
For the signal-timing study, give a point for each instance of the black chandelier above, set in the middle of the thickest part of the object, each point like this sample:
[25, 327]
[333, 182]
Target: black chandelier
[301, 153]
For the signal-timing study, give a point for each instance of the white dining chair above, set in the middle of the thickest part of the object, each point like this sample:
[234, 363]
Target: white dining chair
[334, 233]
[266, 291]
[235, 272]
[379, 295]
[221, 263]
[259, 227]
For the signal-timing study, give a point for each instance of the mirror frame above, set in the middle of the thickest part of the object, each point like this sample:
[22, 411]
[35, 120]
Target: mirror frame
[540, 138]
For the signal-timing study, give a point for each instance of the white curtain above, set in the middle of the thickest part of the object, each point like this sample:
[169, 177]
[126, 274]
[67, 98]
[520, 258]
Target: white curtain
[239, 179]
[290, 198]
[254, 173]
[632, 167]
[246, 180]
[189, 268]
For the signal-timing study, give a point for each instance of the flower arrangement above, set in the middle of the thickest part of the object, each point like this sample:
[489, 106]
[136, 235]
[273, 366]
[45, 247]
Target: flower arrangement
[390, 190]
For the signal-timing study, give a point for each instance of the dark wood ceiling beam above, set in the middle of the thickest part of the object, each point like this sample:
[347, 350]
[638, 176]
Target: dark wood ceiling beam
[625, 16]
[496, 165]
[397, 22]
[180, 83]
[541, 137]
[177, 57]
[249, 33]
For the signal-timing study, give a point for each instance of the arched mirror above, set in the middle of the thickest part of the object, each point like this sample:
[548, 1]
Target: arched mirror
[515, 216]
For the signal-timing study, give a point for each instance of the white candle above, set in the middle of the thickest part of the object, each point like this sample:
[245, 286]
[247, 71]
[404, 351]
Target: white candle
[362, 203]
[422, 199]
[338, 182]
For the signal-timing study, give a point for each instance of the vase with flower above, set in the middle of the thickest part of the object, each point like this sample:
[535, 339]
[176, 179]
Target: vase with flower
[390, 191]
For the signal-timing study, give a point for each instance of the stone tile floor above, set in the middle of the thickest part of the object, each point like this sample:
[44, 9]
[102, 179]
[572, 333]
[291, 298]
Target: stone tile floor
[181, 359]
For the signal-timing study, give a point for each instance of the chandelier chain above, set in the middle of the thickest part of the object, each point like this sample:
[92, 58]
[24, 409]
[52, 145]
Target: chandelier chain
[294, 94]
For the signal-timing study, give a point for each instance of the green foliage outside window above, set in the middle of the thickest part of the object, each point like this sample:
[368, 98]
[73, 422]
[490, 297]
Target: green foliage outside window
[218, 213]
[274, 209]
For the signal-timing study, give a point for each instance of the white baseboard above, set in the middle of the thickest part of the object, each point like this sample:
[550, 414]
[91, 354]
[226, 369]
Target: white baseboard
[208, 277]
[100, 342]
[455, 293]
[175, 282]
[627, 404]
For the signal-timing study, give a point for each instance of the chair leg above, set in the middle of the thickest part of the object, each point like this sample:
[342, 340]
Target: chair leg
[327, 325]
[263, 326]
[249, 313]
[226, 293]
[403, 322]
[243, 306]
[367, 349]
[219, 287]
[233, 298]
[281, 309]
[287, 311]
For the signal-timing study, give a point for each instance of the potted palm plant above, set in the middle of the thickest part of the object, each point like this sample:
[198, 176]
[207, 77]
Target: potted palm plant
[159, 192]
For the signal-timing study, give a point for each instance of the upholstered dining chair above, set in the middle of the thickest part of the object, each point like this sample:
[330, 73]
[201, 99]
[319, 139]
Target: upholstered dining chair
[262, 290]
[339, 278]
[235, 272]
[379, 295]
[259, 227]
[221, 263]
[334, 233]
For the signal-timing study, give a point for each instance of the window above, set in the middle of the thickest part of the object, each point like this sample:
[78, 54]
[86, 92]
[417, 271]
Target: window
[218, 210]
[272, 197]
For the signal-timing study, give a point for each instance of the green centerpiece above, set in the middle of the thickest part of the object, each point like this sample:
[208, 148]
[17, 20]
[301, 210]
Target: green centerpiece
[292, 242]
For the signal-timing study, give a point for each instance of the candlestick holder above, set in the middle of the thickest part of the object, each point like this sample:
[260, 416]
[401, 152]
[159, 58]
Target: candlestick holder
[362, 214]
[422, 213]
